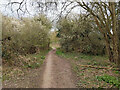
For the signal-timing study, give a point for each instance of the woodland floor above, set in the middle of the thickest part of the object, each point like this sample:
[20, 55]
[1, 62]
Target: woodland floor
[92, 77]
[55, 72]
[61, 70]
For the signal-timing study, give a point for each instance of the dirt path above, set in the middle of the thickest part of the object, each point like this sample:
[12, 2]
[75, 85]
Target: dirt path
[54, 73]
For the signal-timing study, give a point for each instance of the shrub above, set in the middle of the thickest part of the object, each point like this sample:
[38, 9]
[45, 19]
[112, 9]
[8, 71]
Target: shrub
[80, 35]
[26, 36]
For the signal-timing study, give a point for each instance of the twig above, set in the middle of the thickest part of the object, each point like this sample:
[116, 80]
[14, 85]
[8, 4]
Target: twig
[98, 67]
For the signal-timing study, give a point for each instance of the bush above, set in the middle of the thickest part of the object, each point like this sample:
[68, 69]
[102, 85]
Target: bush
[26, 36]
[80, 35]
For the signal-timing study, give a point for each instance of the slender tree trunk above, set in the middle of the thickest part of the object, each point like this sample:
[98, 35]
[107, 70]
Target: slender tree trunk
[115, 34]
[108, 48]
[119, 46]
[119, 34]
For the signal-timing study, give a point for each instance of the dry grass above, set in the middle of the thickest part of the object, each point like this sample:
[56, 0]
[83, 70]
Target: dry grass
[24, 65]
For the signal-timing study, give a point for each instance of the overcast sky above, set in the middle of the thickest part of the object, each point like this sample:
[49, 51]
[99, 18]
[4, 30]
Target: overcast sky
[51, 14]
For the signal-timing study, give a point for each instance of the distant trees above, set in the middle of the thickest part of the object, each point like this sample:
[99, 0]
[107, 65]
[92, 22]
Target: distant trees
[80, 34]
[53, 37]
[26, 36]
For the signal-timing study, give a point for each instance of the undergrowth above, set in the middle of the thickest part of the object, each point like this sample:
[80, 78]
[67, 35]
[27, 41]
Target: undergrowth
[109, 79]
[31, 61]
[86, 75]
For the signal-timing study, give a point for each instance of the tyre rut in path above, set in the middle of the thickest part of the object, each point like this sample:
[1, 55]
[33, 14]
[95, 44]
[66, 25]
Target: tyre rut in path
[54, 73]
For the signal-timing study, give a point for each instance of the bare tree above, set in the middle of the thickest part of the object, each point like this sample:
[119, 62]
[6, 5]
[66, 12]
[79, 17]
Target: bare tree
[40, 6]
[119, 34]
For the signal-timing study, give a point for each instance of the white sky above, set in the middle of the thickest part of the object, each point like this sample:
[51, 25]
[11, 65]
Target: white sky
[31, 9]
[50, 14]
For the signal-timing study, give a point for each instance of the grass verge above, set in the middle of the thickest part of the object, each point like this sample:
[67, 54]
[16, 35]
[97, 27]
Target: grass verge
[92, 77]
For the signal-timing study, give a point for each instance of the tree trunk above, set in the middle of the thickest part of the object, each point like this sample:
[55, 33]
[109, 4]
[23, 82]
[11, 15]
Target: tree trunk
[119, 34]
[115, 34]
[108, 48]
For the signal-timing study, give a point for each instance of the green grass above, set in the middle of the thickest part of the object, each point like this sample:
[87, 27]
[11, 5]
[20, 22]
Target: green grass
[87, 76]
[39, 58]
[117, 72]
[109, 79]
[5, 77]
[78, 56]
[90, 59]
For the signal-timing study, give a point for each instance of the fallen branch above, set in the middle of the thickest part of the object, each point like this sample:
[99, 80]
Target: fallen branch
[98, 67]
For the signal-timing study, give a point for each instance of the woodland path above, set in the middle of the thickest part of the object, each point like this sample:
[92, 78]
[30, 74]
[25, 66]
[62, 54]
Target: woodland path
[54, 73]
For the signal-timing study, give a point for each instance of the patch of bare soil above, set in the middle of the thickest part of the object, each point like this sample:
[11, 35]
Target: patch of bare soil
[54, 73]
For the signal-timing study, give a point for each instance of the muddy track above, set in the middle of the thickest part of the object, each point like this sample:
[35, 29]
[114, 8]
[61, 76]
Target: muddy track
[54, 73]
